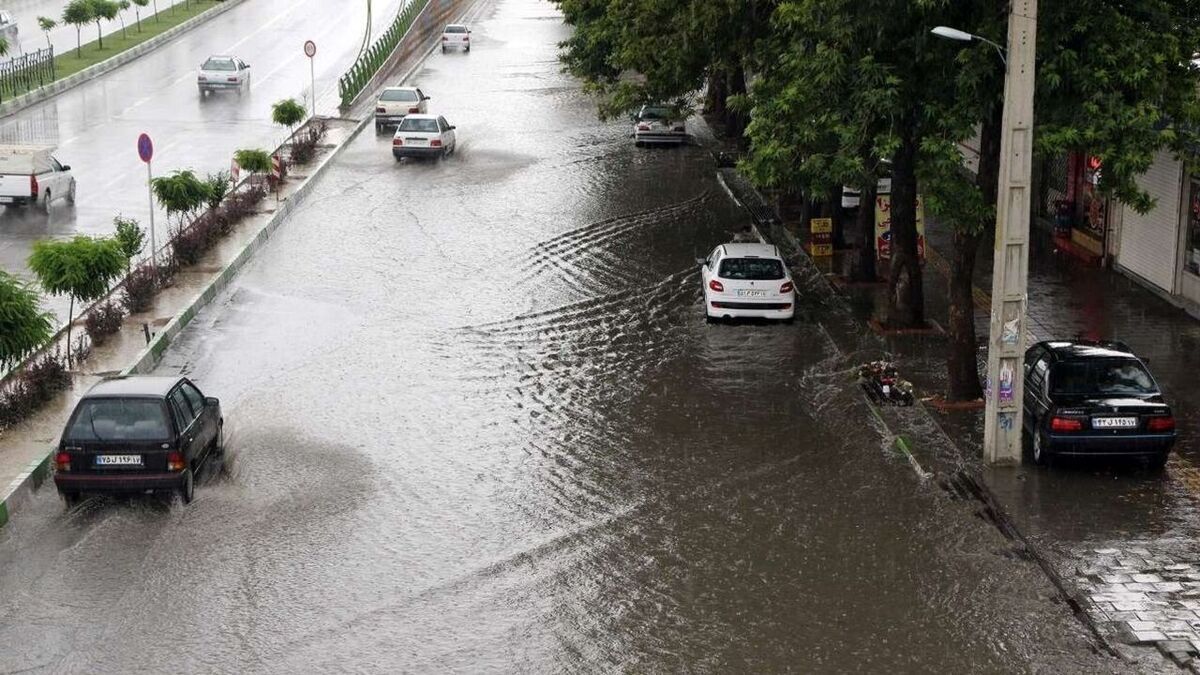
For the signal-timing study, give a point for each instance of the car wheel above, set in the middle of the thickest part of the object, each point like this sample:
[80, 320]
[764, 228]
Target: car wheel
[443, 49]
[46, 202]
[71, 498]
[709, 318]
[1040, 455]
[1159, 462]
[218, 443]
[71, 194]
[467, 50]
[639, 144]
[187, 491]
[789, 321]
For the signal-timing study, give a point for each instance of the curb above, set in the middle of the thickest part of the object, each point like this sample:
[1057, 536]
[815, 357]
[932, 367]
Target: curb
[21, 489]
[57, 87]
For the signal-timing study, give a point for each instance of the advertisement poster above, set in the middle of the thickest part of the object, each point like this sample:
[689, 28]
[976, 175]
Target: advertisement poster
[821, 243]
[883, 227]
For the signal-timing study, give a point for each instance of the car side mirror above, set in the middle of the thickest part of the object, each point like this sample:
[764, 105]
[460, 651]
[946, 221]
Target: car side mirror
[67, 167]
[453, 127]
[212, 401]
[427, 98]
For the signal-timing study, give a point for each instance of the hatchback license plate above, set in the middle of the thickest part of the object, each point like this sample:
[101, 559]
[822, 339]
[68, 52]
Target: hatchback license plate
[1115, 422]
[6, 200]
[118, 460]
[751, 293]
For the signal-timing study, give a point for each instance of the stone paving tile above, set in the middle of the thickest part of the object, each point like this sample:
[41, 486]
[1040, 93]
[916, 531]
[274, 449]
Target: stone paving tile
[1147, 578]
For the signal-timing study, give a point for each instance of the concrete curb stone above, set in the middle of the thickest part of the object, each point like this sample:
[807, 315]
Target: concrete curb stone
[16, 105]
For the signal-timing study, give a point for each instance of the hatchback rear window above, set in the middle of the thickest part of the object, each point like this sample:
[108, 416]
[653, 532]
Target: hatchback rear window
[656, 113]
[218, 64]
[398, 95]
[1101, 376]
[116, 419]
[751, 269]
[426, 125]
[456, 29]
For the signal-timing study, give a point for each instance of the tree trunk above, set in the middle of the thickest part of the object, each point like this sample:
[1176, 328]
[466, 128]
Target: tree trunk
[78, 42]
[735, 120]
[906, 297]
[833, 207]
[864, 226]
[70, 320]
[961, 366]
[99, 35]
[714, 100]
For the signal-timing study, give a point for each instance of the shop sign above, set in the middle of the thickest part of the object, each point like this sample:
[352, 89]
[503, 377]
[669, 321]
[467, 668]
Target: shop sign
[883, 227]
[821, 239]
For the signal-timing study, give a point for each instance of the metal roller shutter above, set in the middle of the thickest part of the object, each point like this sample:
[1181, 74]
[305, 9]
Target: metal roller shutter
[1149, 242]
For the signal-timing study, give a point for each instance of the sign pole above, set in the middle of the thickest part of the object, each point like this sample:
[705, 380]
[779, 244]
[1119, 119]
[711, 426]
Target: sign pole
[145, 148]
[310, 50]
[1010, 280]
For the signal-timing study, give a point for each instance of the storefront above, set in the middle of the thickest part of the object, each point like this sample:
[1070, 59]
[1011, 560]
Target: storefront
[1081, 223]
[1149, 243]
[1189, 277]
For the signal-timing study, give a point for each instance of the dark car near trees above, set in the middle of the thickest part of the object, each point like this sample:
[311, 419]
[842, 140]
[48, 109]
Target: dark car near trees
[138, 434]
[1090, 398]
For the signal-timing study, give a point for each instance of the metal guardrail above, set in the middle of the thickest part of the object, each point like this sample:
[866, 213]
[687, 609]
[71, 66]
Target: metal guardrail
[373, 57]
[26, 72]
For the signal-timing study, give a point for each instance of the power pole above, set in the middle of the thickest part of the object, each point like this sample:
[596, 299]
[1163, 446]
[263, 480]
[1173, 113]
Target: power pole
[1010, 278]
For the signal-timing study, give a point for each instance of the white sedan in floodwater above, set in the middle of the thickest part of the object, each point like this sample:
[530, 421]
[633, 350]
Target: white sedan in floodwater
[744, 280]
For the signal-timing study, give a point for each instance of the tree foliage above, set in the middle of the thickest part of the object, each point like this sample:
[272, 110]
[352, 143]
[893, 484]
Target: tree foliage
[23, 325]
[288, 113]
[102, 10]
[253, 160]
[47, 24]
[181, 193]
[78, 13]
[130, 237]
[82, 268]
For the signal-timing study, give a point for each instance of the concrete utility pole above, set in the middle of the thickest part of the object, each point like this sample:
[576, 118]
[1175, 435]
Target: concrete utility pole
[1010, 280]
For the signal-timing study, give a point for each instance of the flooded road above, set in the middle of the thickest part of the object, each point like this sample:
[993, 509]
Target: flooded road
[476, 421]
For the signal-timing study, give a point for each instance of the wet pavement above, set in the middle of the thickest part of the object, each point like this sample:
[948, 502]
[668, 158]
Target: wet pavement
[95, 126]
[476, 421]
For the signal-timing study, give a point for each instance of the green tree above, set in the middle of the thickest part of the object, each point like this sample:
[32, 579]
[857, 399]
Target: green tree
[288, 113]
[78, 13]
[23, 325]
[102, 10]
[181, 194]
[130, 237]
[253, 160]
[47, 24]
[218, 185]
[82, 268]
[139, 5]
[122, 7]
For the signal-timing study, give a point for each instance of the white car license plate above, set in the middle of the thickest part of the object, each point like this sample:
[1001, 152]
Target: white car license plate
[751, 293]
[6, 200]
[416, 142]
[1114, 422]
[118, 460]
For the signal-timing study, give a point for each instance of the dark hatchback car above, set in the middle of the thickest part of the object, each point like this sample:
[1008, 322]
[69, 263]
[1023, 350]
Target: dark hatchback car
[138, 434]
[1088, 398]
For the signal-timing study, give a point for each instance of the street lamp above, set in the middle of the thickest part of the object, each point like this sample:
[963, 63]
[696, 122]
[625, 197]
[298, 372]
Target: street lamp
[963, 36]
[1010, 276]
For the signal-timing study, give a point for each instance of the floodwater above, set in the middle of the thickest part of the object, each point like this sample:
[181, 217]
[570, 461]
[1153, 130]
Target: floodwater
[476, 421]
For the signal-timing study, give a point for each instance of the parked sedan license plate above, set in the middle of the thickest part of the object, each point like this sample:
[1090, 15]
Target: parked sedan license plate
[118, 460]
[751, 293]
[1114, 422]
[6, 200]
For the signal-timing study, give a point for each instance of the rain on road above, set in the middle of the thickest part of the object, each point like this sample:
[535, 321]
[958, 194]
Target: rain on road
[476, 421]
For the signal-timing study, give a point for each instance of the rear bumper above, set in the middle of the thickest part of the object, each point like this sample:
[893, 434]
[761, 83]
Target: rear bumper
[416, 152]
[751, 310]
[16, 201]
[391, 118]
[665, 137]
[216, 86]
[1084, 445]
[456, 45]
[126, 482]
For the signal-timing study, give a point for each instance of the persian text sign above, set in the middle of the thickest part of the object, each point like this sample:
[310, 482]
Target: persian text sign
[821, 241]
[883, 227]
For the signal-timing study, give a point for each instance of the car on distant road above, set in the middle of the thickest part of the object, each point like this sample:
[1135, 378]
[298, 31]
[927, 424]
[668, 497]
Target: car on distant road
[424, 136]
[396, 103]
[223, 73]
[456, 36]
[138, 434]
[30, 175]
[1093, 398]
[9, 30]
[747, 280]
[659, 124]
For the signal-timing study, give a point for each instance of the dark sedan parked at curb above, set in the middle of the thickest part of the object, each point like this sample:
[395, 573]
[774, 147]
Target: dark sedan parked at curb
[1089, 398]
[138, 434]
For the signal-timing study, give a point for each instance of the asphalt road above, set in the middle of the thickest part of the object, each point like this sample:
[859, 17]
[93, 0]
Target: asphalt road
[95, 126]
[476, 422]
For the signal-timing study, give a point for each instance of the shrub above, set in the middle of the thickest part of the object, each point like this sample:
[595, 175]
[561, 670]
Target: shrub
[304, 147]
[243, 202]
[288, 113]
[130, 237]
[23, 325]
[180, 193]
[218, 185]
[80, 350]
[103, 321]
[82, 268]
[140, 288]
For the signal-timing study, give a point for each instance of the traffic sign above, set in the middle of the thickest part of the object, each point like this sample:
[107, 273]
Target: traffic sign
[310, 48]
[145, 148]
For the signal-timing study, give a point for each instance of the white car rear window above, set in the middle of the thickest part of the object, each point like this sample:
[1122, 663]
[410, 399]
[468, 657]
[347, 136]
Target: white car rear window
[456, 29]
[219, 64]
[398, 95]
[751, 269]
[425, 125]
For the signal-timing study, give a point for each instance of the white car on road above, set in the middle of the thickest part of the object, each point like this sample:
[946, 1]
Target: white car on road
[747, 281]
[423, 136]
[456, 36]
[659, 124]
[223, 73]
[29, 174]
[396, 103]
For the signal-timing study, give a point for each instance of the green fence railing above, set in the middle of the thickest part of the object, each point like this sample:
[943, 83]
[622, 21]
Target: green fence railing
[373, 57]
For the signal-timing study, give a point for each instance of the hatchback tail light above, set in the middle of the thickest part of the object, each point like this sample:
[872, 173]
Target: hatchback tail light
[643, 127]
[397, 141]
[231, 79]
[1164, 423]
[414, 110]
[203, 78]
[445, 39]
[787, 287]
[381, 110]
[175, 461]
[435, 143]
[1065, 424]
[62, 462]
[466, 39]
[33, 186]
[716, 286]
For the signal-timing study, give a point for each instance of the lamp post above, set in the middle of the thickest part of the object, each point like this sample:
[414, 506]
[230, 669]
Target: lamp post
[1010, 276]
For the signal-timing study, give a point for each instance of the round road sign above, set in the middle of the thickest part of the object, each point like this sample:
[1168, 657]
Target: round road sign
[145, 148]
[310, 48]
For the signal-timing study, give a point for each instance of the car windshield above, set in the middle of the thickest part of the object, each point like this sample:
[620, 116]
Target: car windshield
[751, 269]
[117, 419]
[410, 124]
[456, 29]
[398, 95]
[655, 113]
[218, 64]
[1102, 376]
